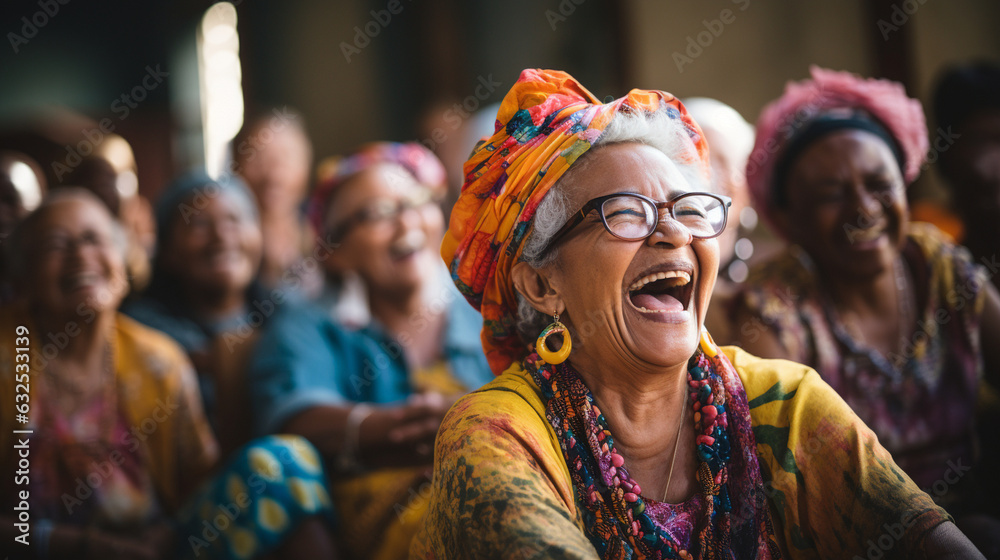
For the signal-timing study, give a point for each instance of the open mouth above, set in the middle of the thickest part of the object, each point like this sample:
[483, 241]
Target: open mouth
[223, 259]
[662, 292]
[867, 238]
[866, 235]
[79, 281]
[224, 256]
[408, 245]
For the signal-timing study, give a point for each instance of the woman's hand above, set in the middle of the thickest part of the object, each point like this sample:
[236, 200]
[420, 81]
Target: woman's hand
[404, 434]
[389, 436]
[420, 418]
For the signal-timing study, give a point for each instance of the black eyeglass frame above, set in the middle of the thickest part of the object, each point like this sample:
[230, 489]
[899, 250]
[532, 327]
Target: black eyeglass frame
[598, 204]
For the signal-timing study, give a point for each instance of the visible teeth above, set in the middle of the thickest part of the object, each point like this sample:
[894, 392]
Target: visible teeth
[225, 256]
[866, 235]
[82, 279]
[681, 276]
[411, 242]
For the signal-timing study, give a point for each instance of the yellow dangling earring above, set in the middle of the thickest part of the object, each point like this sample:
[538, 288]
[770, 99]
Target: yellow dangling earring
[559, 356]
[708, 345]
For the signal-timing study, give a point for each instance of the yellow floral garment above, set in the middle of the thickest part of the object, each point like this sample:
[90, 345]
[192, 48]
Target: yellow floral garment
[157, 395]
[502, 489]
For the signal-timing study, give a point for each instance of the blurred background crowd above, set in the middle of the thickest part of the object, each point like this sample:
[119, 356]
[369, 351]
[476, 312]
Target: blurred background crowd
[222, 221]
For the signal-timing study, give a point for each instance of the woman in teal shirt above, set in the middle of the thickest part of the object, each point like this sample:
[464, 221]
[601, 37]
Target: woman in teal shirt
[371, 399]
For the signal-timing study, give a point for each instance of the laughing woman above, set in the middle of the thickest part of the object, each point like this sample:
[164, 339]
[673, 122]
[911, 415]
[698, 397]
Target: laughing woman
[205, 296]
[204, 288]
[118, 437]
[899, 321]
[636, 437]
[120, 449]
[371, 399]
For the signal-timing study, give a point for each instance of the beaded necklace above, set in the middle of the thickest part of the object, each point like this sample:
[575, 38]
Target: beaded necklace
[615, 513]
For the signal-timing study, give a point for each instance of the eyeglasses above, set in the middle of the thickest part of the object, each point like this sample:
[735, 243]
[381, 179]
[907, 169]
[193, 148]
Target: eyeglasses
[633, 217]
[384, 210]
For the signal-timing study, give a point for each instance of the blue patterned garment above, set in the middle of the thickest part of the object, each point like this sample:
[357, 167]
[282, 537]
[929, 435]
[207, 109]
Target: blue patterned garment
[263, 494]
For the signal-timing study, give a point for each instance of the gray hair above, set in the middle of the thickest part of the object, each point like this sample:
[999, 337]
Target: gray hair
[727, 132]
[655, 129]
[19, 243]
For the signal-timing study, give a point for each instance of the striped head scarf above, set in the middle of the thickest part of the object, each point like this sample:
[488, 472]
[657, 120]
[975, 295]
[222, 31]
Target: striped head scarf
[545, 123]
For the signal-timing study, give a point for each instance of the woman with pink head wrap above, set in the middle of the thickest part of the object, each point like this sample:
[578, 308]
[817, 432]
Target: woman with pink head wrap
[901, 322]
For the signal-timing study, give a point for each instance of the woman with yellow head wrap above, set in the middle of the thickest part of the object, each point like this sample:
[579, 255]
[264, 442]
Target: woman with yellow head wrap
[635, 437]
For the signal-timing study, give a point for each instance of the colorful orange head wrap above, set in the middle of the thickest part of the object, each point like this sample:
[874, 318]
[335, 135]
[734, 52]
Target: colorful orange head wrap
[545, 123]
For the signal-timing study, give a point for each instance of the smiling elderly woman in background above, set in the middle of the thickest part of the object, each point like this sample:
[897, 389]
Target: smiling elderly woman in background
[112, 402]
[898, 320]
[636, 437]
[371, 398]
[116, 404]
[204, 291]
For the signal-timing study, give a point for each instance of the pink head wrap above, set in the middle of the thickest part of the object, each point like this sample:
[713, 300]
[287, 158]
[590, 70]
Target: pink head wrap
[884, 101]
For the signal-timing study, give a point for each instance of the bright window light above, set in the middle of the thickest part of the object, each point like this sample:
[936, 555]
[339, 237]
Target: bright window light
[220, 78]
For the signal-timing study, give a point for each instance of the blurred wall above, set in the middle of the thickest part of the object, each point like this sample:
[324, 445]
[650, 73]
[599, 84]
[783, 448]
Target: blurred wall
[951, 32]
[405, 67]
[82, 57]
[409, 69]
[747, 61]
[769, 43]
[291, 57]
[766, 44]
[948, 33]
[739, 51]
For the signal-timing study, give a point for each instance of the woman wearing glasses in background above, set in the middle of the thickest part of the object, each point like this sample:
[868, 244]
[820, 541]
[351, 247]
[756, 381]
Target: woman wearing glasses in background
[628, 433]
[371, 397]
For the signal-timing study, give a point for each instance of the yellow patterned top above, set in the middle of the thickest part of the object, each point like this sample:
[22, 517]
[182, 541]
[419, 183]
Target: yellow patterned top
[502, 488]
[157, 393]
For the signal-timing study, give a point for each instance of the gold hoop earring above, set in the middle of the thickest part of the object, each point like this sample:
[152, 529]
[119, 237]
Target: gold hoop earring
[558, 356]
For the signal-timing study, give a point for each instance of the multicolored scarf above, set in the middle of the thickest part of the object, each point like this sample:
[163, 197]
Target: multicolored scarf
[545, 123]
[731, 521]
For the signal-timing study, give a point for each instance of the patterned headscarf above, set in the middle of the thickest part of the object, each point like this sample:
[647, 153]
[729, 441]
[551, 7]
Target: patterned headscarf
[425, 167]
[827, 95]
[545, 123]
